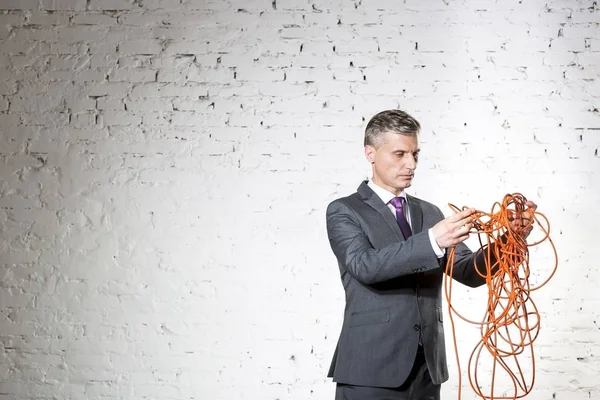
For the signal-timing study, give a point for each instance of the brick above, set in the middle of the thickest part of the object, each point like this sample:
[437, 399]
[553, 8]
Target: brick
[565, 44]
[140, 47]
[35, 103]
[155, 104]
[27, 34]
[110, 5]
[47, 18]
[80, 76]
[101, 48]
[168, 90]
[585, 16]
[115, 89]
[136, 75]
[19, 5]
[77, 34]
[64, 49]
[70, 5]
[320, 47]
[162, 4]
[94, 19]
[111, 118]
[143, 19]
[8, 87]
[208, 5]
[559, 58]
[301, 75]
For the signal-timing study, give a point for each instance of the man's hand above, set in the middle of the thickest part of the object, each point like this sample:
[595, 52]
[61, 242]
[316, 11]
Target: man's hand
[454, 229]
[522, 222]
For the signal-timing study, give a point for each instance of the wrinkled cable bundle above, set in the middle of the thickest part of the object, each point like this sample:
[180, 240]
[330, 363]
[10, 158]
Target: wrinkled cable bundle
[511, 321]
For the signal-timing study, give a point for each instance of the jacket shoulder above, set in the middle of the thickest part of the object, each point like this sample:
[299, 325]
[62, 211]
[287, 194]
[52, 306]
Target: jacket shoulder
[425, 205]
[352, 201]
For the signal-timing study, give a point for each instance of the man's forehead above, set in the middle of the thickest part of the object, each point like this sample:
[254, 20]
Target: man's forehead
[402, 142]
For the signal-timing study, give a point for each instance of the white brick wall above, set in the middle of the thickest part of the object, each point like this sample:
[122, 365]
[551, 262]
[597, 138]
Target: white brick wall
[166, 166]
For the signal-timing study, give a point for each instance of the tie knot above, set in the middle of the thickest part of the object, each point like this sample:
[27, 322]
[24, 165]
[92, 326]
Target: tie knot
[398, 203]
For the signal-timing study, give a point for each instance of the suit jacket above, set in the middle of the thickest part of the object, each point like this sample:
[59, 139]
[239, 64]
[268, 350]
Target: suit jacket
[393, 290]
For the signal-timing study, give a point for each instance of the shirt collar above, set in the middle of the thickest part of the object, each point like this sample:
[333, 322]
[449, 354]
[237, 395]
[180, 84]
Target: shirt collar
[383, 194]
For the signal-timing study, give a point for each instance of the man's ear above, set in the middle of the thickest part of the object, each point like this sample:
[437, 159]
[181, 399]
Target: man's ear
[370, 153]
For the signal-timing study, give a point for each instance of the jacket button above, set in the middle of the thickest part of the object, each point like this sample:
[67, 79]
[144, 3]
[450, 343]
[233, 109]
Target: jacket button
[417, 327]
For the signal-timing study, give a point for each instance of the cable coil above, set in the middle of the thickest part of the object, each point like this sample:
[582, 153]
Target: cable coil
[511, 321]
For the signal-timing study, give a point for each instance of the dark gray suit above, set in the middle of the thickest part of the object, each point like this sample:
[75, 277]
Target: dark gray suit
[393, 290]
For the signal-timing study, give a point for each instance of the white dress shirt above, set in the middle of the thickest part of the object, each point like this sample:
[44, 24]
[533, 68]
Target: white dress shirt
[386, 196]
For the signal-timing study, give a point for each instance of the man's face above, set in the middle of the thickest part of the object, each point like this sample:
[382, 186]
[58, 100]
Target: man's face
[394, 161]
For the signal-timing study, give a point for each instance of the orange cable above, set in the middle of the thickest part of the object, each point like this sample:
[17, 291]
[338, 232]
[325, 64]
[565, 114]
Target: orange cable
[511, 322]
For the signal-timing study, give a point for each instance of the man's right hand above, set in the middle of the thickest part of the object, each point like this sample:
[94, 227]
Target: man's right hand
[454, 229]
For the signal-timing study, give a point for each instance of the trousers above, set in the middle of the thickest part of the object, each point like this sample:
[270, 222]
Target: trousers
[418, 386]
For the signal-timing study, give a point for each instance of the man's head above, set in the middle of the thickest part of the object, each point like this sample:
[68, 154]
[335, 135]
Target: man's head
[392, 148]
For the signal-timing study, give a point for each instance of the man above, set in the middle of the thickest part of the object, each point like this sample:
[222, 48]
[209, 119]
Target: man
[391, 249]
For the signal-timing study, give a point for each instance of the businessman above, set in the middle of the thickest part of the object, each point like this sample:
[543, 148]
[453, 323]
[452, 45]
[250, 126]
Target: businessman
[391, 249]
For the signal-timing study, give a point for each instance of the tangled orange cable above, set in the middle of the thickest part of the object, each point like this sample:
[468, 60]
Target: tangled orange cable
[511, 321]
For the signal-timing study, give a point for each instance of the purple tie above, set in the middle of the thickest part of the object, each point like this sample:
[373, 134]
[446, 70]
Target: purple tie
[398, 203]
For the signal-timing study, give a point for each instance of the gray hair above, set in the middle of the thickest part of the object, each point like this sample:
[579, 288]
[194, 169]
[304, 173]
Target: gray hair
[396, 121]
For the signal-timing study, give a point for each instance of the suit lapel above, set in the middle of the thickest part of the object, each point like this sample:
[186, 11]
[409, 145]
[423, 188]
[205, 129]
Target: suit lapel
[375, 202]
[416, 215]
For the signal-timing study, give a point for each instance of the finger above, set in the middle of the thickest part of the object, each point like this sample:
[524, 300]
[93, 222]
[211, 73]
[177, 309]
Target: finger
[466, 220]
[526, 220]
[516, 226]
[525, 233]
[462, 215]
[464, 229]
[527, 216]
[516, 221]
[462, 238]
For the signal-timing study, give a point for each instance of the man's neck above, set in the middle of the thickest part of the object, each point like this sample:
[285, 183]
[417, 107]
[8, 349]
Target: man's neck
[391, 190]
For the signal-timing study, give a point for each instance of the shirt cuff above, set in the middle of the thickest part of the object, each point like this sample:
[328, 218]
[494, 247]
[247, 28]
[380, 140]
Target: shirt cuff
[438, 251]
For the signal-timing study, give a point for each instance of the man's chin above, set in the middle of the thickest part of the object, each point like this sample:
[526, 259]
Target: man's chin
[406, 182]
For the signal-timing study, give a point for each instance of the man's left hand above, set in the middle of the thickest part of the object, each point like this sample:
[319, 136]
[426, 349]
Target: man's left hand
[522, 222]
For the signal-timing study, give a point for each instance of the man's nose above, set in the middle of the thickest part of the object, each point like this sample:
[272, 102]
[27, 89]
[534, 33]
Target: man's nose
[411, 162]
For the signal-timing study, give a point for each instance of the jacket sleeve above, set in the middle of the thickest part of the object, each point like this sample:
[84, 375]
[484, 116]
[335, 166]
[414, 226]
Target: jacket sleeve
[370, 265]
[467, 263]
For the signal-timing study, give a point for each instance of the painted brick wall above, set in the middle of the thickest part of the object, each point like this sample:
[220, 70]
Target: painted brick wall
[165, 167]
